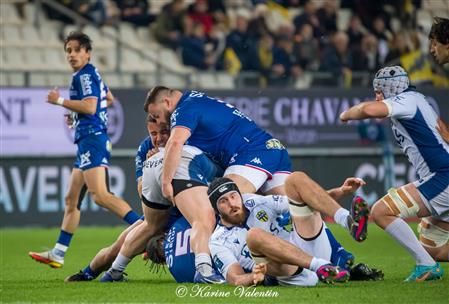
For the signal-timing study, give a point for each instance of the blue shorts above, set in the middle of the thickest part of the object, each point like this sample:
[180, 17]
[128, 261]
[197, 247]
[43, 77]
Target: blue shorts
[270, 157]
[94, 150]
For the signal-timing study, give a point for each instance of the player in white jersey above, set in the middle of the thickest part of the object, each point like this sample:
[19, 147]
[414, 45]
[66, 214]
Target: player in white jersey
[413, 122]
[262, 226]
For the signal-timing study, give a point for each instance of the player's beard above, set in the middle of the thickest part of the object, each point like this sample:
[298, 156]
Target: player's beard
[235, 219]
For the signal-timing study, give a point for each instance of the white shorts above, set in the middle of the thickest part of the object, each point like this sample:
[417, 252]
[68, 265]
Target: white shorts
[258, 178]
[318, 246]
[434, 191]
[305, 278]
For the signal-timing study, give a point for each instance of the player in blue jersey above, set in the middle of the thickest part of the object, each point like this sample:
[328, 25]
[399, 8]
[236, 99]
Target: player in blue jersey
[249, 155]
[89, 98]
[414, 123]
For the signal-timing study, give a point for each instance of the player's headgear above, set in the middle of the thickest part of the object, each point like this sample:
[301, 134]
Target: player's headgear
[391, 81]
[219, 187]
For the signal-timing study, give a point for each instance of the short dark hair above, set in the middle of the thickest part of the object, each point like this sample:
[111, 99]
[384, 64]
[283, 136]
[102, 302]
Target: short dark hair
[440, 30]
[83, 39]
[153, 94]
[150, 119]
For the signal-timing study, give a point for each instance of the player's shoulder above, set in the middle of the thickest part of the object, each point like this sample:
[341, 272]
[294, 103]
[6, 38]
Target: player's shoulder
[251, 200]
[145, 145]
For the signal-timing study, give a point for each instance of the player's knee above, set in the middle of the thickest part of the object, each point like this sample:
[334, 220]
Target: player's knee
[70, 202]
[398, 202]
[253, 237]
[378, 212]
[294, 181]
[101, 198]
[432, 236]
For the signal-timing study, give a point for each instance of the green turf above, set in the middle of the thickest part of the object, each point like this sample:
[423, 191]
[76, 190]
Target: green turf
[23, 280]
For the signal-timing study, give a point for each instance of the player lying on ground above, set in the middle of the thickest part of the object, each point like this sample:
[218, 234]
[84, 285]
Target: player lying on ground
[89, 98]
[273, 236]
[413, 122]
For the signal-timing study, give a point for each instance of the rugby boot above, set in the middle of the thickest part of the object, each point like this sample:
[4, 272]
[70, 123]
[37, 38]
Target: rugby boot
[330, 274]
[47, 257]
[214, 278]
[113, 275]
[359, 215]
[423, 273]
[79, 277]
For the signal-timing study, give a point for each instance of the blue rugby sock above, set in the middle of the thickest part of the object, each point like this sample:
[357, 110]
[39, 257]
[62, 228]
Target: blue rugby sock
[131, 217]
[90, 273]
[62, 243]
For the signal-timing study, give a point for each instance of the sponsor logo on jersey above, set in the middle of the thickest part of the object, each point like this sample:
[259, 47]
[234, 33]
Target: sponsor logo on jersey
[236, 241]
[274, 144]
[85, 159]
[256, 160]
[232, 160]
[218, 262]
[86, 84]
[104, 160]
[262, 216]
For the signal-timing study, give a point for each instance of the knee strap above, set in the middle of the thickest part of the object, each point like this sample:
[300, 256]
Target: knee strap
[299, 209]
[401, 203]
[431, 235]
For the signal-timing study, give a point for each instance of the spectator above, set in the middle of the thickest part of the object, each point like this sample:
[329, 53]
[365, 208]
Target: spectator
[169, 24]
[92, 10]
[383, 35]
[398, 48]
[307, 49]
[198, 12]
[366, 58]
[308, 16]
[135, 12]
[193, 45]
[337, 58]
[265, 58]
[284, 68]
[355, 32]
[327, 16]
[242, 43]
[258, 24]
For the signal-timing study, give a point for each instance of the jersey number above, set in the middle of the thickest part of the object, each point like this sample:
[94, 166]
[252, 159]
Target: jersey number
[182, 242]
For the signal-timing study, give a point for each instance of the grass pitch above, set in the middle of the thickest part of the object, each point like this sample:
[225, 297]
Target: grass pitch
[23, 280]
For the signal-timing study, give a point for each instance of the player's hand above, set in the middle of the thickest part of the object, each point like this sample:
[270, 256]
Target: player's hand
[343, 117]
[68, 120]
[152, 152]
[443, 129]
[351, 185]
[167, 191]
[259, 272]
[53, 95]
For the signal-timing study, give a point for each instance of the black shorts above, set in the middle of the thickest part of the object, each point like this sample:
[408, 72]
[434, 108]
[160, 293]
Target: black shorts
[180, 185]
[154, 205]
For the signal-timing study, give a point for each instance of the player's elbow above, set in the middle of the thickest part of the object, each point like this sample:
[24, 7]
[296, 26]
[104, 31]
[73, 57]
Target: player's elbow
[91, 110]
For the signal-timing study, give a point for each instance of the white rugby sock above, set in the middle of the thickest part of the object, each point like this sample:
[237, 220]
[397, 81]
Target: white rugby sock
[341, 217]
[317, 263]
[405, 236]
[203, 264]
[120, 262]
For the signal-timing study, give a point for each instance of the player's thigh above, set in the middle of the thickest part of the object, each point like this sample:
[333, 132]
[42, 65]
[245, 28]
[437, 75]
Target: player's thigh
[246, 179]
[156, 218]
[95, 179]
[194, 204]
[76, 184]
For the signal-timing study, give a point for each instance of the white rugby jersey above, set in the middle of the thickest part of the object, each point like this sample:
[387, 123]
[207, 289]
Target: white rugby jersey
[413, 122]
[203, 170]
[228, 245]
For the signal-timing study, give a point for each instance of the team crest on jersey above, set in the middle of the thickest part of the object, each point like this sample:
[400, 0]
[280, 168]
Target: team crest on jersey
[262, 216]
[274, 144]
[250, 203]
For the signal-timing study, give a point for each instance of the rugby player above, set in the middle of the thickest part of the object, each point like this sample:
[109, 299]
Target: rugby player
[89, 98]
[439, 40]
[413, 122]
[254, 227]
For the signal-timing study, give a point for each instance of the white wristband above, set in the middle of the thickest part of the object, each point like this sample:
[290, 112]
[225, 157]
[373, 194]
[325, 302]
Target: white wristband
[60, 101]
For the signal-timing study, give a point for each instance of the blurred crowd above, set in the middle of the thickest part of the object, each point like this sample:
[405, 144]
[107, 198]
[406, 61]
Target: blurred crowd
[278, 38]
